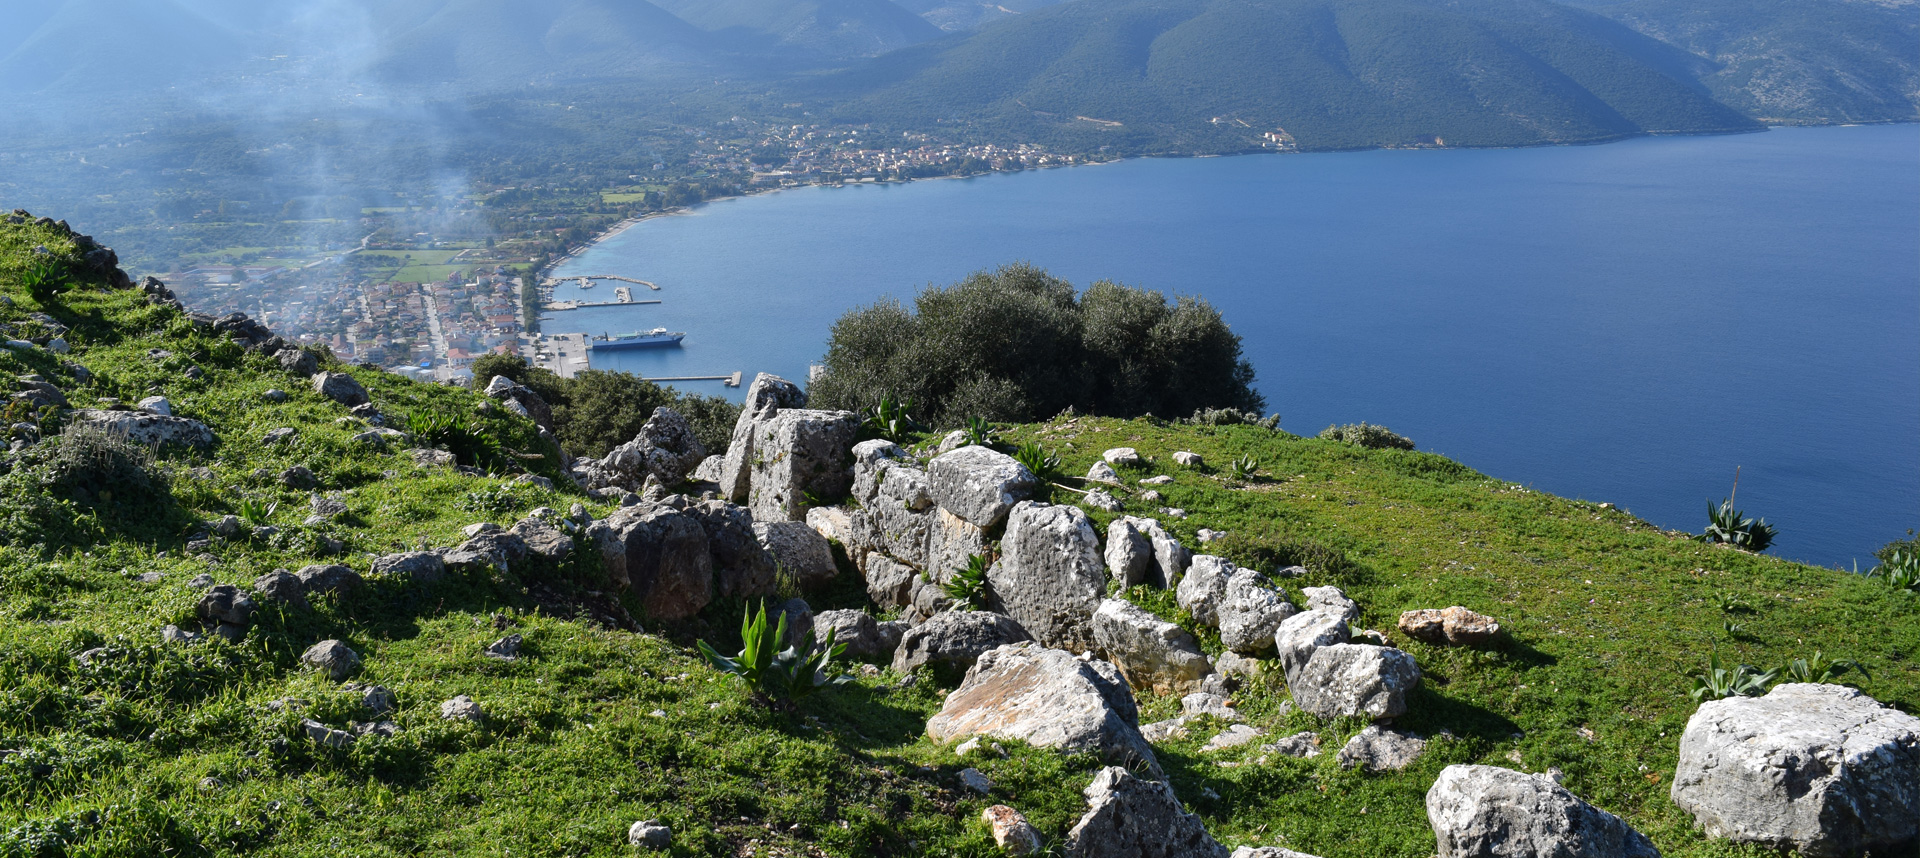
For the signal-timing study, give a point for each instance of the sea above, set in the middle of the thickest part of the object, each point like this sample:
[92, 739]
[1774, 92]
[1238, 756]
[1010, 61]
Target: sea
[1630, 322]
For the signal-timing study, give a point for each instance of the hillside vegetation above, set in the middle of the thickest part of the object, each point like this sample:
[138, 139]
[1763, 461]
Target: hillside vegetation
[114, 742]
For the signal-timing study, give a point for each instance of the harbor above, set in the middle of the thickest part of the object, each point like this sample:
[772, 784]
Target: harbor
[567, 355]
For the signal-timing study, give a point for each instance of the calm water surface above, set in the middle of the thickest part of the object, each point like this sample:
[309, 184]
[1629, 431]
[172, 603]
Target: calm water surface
[1620, 323]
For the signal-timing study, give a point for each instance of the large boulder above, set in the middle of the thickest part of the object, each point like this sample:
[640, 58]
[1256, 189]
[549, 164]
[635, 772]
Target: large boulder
[765, 397]
[1138, 818]
[1049, 698]
[1150, 652]
[340, 387]
[147, 429]
[741, 565]
[871, 461]
[1204, 586]
[1822, 769]
[898, 518]
[799, 454]
[1352, 680]
[665, 449]
[486, 550]
[530, 404]
[1250, 612]
[1049, 576]
[889, 583]
[1455, 626]
[1379, 749]
[1491, 812]
[799, 550]
[1140, 551]
[856, 629]
[1301, 634]
[660, 553]
[953, 640]
[979, 484]
[951, 540]
[1331, 598]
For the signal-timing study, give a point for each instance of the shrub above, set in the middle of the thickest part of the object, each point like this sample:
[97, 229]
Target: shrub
[891, 419]
[780, 676]
[1233, 417]
[1367, 435]
[468, 442]
[1717, 681]
[596, 410]
[1729, 526]
[1015, 344]
[92, 465]
[1899, 567]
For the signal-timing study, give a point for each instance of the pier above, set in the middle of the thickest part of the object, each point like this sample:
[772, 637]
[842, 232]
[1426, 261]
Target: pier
[586, 280]
[622, 295]
[729, 380]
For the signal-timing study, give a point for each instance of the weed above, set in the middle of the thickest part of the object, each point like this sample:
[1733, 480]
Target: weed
[1733, 604]
[780, 676]
[1901, 568]
[256, 512]
[1244, 467]
[891, 419]
[1044, 465]
[969, 585]
[494, 500]
[980, 433]
[1821, 669]
[43, 278]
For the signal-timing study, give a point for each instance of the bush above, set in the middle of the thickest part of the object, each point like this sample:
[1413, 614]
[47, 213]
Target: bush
[1015, 344]
[1233, 417]
[91, 465]
[596, 410]
[779, 675]
[1367, 435]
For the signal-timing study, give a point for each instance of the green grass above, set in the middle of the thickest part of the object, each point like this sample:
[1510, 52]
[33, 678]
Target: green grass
[154, 749]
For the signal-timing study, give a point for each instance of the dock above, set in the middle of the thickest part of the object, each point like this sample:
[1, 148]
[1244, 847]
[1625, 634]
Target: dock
[586, 280]
[729, 380]
[564, 354]
[582, 305]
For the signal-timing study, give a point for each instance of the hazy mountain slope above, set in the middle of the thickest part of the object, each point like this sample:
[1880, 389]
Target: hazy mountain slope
[821, 28]
[92, 46]
[1795, 60]
[1214, 74]
[955, 15]
[22, 19]
[503, 44]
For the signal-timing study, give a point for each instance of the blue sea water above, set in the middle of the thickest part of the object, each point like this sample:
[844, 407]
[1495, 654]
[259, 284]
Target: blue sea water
[1622, 323]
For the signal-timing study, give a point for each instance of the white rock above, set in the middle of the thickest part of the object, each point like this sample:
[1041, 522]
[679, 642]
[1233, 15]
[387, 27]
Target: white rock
[1048, 698]
[1101, 472]
[1125, 457]
[979, 484]
[1491, 812]
[1152, 653]
[1204, 586]
[1188, 460]
[1050, 577]
[1135, 818]
[1250, 611]
[1353, 680]
[1299, 635]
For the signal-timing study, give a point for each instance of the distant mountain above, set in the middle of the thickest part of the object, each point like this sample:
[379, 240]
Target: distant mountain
[957, 15]
[1794, 60]
[836, 29]
[1208, 75]
[87, 46]
[22, 19]
[496, 45]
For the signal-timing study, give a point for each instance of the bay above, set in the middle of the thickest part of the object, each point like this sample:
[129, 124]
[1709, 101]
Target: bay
[1623, 323]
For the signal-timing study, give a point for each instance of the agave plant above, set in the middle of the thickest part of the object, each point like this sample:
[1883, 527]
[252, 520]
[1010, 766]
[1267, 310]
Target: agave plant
[1718, 681]
[980, 433]
[1728, 525]
[779, 675]
[1244, 468]
[1043, 464]
[257, 512]
[891, 419]
[1821, 669]
[43, 278]
[468, 442]
[1901, 568]
[969, 585]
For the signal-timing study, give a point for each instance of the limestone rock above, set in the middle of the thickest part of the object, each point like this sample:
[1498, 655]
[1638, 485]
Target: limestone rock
[542, 539]
[226, 605]
[799, 550]
[1048, 698]
[955, 640]
[1379, 749]
[332, 658]
[299, 362]
[340, 387]
[1302, 633]
[487, 550]
[979, 484]
[799, 453]
[1204, 586]
[1189, 460]
[1101, 472]
[530, 404]
[1138, 819]
[1211, 704]
[665, 448]
[1102, 501]
[1822, 769]
[1250, 612]
[741, 564]
[1150, 652]
[650, 834]
[1302, 745]
[765, 397]
[835, 524]
[422, 566]
[1491, 812]
[1455, 626]
[708, 471]
[660, 553]
[856, 629]
[1232, 737]
[889, 584]
[320, 579]
[1350, 680]
[462, 708]
[1123, 457]
[281, 586]
[325, 735]
[1049, 577]
[147, 429]
[1332, 598]
[871, 460]
[1011, 830]
[951, 540]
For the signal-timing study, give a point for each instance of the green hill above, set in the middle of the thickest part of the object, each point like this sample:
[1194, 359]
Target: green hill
[507, 44]
[1208, 75]
[820, 29]
[113, 742]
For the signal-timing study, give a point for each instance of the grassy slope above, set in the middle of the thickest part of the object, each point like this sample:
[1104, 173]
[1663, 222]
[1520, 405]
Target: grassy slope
[597, 727]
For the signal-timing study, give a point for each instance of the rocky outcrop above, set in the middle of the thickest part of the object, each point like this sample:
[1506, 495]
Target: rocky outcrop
[1204, 586]
[1139, 551]
[1490, 812]
[1137, 818]
[1331, 599]
[1455, 626]
[871, 460]
[741, 564]
[800, 551]
[1353, 680]
[521, 400]
[1822, 769]
[1048, 698]
[1049, 576]
[665, 448]
[340, 387]
[422, 566]
[799, 455]
[1150, 652]
[955, 640]
[147, 428]
[1303, 633]
[765, 397]
[979, 484]
[889, 584]
[1250, 611]
[660, 553]
[856, 629]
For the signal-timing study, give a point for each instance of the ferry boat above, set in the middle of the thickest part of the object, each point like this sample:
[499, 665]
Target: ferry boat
[642, 340]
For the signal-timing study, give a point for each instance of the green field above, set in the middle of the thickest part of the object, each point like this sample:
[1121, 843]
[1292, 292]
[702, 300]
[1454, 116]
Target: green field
[118, 744]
